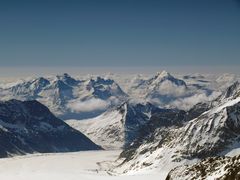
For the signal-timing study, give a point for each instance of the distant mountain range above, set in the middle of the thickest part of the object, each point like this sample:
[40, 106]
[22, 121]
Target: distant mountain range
[66, 96]
[70, 98]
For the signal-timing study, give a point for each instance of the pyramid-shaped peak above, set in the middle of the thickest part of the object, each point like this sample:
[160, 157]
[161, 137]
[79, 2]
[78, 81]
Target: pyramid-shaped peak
[163, 74]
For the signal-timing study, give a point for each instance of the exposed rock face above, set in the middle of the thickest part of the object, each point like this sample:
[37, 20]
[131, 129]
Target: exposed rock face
[222, 168]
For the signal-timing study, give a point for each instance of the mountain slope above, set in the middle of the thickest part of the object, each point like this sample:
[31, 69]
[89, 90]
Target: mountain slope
[215, 132]
[29, 127]
[118, 127]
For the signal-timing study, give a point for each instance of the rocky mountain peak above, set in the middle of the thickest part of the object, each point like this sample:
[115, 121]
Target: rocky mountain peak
[165, 76]
[66, 78]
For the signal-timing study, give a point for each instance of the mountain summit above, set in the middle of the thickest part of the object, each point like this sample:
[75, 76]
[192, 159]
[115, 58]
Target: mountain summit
[165, 76]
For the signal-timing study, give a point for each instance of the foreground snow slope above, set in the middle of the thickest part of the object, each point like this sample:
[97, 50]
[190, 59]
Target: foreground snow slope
[70, 166]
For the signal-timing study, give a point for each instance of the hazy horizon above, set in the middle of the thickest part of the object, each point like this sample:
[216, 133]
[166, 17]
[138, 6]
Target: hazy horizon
[22, 72]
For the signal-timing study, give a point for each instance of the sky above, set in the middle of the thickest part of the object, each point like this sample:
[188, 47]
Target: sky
[119, 33]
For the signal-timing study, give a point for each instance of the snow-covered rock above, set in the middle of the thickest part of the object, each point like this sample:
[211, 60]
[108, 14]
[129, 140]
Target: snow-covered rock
[220, 167]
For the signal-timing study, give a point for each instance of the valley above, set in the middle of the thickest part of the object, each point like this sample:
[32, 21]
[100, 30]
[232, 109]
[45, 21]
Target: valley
[62, 166]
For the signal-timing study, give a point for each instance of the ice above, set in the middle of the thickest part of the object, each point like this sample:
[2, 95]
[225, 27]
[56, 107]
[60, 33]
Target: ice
[65, 166]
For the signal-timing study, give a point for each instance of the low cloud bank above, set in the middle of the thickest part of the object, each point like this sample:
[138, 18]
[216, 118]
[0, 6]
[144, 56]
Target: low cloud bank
[188, 102]
[88, 105]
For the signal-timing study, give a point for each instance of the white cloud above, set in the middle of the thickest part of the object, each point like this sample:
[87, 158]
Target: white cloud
[168, 88]
[90, 105]
[188, 102]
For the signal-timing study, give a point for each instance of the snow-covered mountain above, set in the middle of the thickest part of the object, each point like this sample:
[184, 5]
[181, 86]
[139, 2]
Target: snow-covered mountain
[119, 127]
[162, 83]
[215, 132]
[66, 96]
[29, 127]
[167, 91]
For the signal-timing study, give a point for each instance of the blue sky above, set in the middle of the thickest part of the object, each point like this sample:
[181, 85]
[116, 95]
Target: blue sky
[119, 33]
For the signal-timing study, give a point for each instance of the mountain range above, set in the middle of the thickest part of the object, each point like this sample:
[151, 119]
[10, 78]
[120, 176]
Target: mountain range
[71, 98]
[67, 97]
[185, 127]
